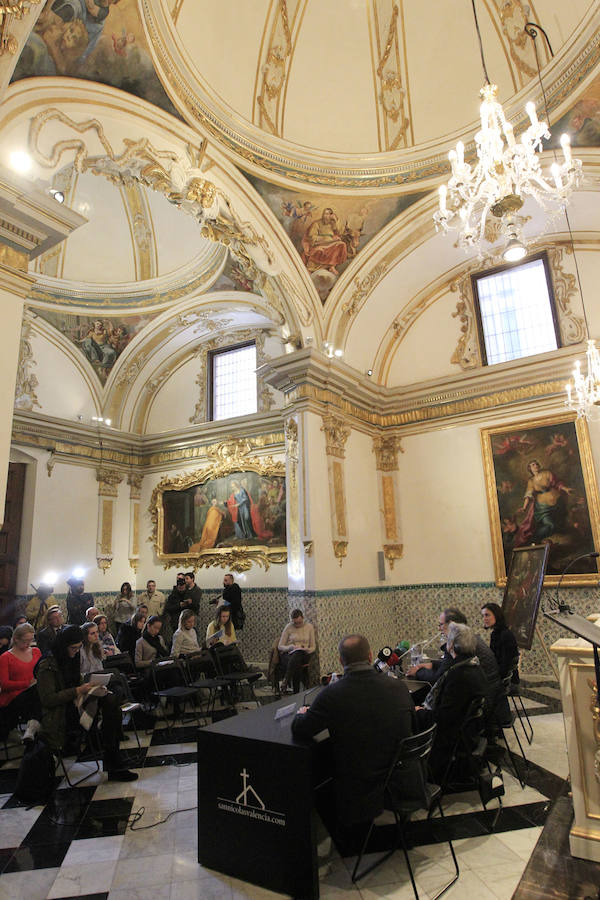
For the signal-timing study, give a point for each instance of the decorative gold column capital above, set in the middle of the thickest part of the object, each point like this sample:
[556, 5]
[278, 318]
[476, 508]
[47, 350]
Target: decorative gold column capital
[337, 432]
[385, 448]
[108, 482]
[135, 485]
[392, 552]
[291, 438]
[340, 550]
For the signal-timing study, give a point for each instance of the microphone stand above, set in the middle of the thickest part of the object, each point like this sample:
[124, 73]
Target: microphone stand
[564, 607]
[421, 644]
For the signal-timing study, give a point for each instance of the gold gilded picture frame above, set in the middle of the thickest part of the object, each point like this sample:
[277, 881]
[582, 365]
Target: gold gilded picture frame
[541, 487]
[246, 496]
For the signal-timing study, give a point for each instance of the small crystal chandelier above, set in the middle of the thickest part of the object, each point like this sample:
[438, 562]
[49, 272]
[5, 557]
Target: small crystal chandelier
[506, 172]
[583, 392]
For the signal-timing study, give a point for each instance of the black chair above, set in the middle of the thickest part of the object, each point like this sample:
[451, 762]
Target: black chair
[123, 663]
[467, 760]
[170, 683]
[409, 761]
[94, 754]
[504, 725]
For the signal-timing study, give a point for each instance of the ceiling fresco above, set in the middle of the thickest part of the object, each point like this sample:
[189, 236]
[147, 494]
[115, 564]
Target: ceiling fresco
[582, 121]
[233, 278]
[101, 340]
[101, 41]
[329, 232]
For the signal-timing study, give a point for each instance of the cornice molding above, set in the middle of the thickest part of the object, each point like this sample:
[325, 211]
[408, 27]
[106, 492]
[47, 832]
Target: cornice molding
[309, 379]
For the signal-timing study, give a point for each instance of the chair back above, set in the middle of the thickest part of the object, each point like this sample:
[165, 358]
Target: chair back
[120, 661]
[168, 673]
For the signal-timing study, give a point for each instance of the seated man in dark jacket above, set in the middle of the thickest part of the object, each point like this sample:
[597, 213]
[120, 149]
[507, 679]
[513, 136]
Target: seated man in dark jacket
[367, 714]
[46, 636]
[449, 699]
[430, 672]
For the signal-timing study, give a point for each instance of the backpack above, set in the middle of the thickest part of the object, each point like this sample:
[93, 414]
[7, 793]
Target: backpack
[35, 782]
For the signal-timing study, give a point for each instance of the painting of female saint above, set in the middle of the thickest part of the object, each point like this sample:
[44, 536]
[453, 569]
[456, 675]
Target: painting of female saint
[242, 509]
[542, 490]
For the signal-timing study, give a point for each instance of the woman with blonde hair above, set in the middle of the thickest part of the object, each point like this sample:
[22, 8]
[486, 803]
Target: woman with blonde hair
[185, 639]
[18, 692]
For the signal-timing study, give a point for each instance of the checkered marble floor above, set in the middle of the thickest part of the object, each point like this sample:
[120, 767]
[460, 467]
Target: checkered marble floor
[94, 841]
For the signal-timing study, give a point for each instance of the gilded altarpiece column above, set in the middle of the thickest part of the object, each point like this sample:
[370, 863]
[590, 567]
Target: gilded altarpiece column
[108, 483]
[386, 450]
[292, 460]
[336, 434]
[135, 490]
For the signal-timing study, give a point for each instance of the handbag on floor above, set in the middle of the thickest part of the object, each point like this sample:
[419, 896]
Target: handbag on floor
[35, 781]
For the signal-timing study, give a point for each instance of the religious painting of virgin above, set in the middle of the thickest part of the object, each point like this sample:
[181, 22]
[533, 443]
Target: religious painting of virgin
[541, 489]
[521, 599]
[209, 522]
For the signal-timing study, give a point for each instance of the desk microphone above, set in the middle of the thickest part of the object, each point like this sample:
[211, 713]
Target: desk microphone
[386, 660]
[564, 607]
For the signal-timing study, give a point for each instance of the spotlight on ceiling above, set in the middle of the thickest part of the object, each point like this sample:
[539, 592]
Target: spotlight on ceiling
[514, 250]
[369, 372]
[20, 161]
[78, 572]
[338, 352]
[58, 195]
[49, 578]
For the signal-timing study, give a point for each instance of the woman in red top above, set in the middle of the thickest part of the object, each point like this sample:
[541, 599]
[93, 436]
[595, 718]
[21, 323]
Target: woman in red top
[18, 693]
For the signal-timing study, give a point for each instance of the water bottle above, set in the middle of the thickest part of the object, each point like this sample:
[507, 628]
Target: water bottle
[415, 656]
[334, 677]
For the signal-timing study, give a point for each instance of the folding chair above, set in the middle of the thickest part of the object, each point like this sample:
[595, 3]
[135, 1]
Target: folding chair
[469, 751]
[170, 683]
[410, 760]
[510, 723]
[93, 740]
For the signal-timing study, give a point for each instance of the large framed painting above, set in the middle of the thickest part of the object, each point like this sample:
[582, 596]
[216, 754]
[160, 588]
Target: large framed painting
[541, 488]
[231, 517]
[521, 600]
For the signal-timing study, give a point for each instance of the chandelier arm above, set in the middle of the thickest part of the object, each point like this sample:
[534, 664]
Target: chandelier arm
[485, 71]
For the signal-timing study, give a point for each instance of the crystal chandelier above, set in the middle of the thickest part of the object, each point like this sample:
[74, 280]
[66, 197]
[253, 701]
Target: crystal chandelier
[507, 171]
[583, 392]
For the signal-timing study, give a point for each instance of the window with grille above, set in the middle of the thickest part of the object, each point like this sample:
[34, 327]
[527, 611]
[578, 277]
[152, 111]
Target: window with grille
[515, 310]
[233, 381]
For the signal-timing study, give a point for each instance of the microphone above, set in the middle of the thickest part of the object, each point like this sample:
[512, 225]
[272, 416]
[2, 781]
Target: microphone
[386, 659]
[564, 607]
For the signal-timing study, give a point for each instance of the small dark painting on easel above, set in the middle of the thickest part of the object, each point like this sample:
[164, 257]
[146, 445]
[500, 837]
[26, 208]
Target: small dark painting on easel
[524, 584]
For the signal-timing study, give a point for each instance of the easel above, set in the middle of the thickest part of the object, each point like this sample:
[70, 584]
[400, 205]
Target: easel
[540, 638]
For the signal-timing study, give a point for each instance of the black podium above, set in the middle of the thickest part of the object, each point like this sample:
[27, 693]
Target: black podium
[256, 818]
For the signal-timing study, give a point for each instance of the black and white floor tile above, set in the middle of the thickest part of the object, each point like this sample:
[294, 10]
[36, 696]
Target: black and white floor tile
[81, 844]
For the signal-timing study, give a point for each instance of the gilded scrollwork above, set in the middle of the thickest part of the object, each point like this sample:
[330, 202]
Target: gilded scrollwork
[274, 69]
[572, 326]
[466, 354]
[179, 179]
[362, 289]
[25, 395]
[392, 95]
[392, 552]
[340, 550]
[9, 11]
[134, 480]
[595, 708]
[225, 458]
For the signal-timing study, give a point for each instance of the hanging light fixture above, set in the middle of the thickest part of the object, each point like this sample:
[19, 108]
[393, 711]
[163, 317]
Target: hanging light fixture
[507, 171]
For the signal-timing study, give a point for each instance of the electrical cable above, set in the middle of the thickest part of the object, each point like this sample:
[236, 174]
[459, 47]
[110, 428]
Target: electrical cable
[485, 71]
